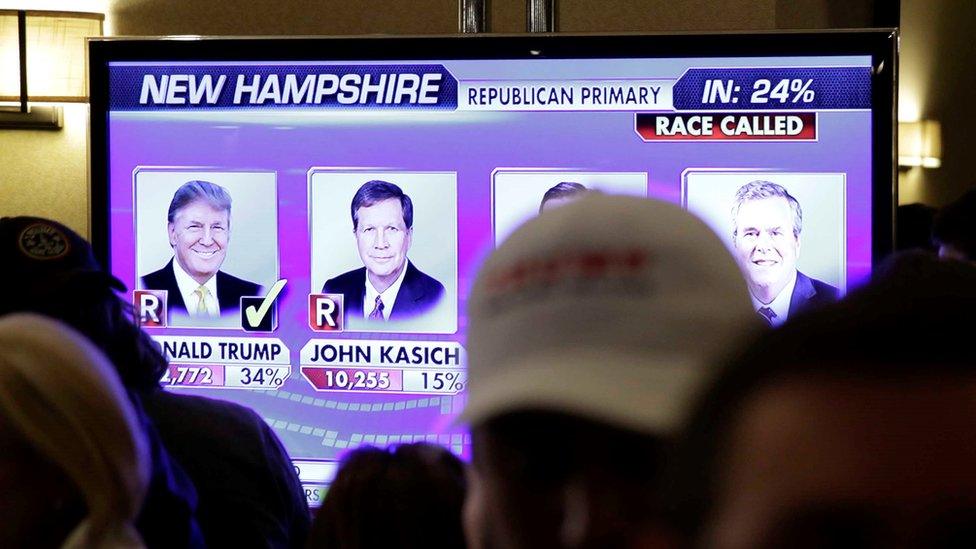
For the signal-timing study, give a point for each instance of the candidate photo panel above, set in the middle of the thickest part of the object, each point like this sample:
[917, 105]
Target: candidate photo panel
[384, 244]
[520, 194]
[786, 230]
[205, 240]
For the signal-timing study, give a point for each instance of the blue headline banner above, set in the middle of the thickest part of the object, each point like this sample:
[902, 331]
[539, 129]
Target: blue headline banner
[774, 89]
[228, 87]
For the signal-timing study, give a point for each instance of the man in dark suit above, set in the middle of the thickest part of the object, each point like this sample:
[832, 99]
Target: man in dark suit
[199, 232]
[389, 286]
[767, 222]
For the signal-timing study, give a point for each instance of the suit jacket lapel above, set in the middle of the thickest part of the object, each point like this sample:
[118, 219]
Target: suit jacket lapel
[358, 296]
[803, 291]
[174, 298]
[224, 294]
[409, 294]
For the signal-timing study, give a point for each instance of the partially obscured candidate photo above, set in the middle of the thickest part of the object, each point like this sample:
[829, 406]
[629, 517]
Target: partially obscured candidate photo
[208, 239]
[520, 194]
[386, 242]
[785, 230]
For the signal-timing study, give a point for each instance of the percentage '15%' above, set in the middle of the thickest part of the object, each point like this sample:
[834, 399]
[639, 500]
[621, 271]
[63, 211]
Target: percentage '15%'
[387, 380]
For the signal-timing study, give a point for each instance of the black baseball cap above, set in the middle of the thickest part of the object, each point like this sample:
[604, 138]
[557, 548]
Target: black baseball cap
[37, 251]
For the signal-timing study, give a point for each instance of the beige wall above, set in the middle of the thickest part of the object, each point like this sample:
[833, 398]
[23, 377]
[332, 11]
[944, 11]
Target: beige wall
[938, 54]
[335, 17]
[45, 173]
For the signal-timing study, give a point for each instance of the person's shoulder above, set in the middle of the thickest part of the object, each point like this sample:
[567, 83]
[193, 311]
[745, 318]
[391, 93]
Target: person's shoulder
[828, 291]
[823, 291]
[345, 281]
[159, 277]
[250, 492]
[246, 287]
[423, 280]
[179, 406]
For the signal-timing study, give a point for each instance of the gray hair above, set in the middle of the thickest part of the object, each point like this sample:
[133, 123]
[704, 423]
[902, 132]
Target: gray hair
[759, 190]
[191, 191]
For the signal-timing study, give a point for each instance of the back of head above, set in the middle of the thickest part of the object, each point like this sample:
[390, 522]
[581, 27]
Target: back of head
[545, 479]
[914, 227]
[909, 328]
[408, 496]
[50, 270]
[59, 395]
[954, 228]
[589, 328]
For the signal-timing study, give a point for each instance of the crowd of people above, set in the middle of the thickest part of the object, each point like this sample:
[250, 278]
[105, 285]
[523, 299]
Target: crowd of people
[623, 392]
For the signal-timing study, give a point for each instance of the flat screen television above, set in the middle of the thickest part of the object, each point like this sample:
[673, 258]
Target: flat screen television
[299, 220]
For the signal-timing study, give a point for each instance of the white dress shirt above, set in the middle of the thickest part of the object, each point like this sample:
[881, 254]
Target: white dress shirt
[188, 288]
[780, 304]
[388, 296]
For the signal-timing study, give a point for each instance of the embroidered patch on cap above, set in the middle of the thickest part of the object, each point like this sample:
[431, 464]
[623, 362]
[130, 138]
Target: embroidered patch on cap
[43, 241]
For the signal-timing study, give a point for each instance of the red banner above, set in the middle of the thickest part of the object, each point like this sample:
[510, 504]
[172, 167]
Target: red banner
[769, 126]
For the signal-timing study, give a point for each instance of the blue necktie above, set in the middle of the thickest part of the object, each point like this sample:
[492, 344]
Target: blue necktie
[767, 315]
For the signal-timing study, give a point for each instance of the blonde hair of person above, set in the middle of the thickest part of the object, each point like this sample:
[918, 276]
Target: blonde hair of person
[62, 396]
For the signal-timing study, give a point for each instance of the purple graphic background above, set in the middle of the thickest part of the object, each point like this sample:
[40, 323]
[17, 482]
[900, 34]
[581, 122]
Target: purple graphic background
[322, 425]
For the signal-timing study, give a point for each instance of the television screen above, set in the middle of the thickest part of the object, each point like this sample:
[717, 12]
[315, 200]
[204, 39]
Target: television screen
[299, 221]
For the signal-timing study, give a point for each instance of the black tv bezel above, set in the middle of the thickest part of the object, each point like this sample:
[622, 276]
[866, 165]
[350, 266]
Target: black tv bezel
[880, 44]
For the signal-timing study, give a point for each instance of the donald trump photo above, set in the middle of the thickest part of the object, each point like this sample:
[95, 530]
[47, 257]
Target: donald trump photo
[199, 230]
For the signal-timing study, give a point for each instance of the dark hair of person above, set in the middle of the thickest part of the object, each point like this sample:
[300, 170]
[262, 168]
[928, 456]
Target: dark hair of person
[913, 230]
[913, 321]
[562, 190]
[536, 454]
[376, 191]
[955, 225]
[89, 305]
[409, 496]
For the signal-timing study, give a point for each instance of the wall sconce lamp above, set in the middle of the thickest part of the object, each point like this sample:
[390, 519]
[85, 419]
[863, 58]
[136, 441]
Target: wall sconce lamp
[919, 144]
[43, 58]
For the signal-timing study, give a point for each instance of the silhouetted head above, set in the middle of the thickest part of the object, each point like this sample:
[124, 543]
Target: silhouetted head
[852, 425]
[407, 496]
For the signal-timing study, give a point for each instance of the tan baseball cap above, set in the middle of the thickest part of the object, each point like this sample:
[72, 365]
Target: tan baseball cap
[611, 308]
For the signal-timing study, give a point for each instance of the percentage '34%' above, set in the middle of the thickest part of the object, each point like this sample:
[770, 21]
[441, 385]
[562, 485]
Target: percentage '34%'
[230, 376]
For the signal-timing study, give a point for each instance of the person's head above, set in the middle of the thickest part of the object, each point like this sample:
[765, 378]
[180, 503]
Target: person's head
[562, 194]
[50, 270]
[75, 464]
[954, 228]
[913, 230]
[407, 496]
[853, 426]
[548, 479]
[382, 220]
[199, 228]
[766, 226]
[588, 330]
